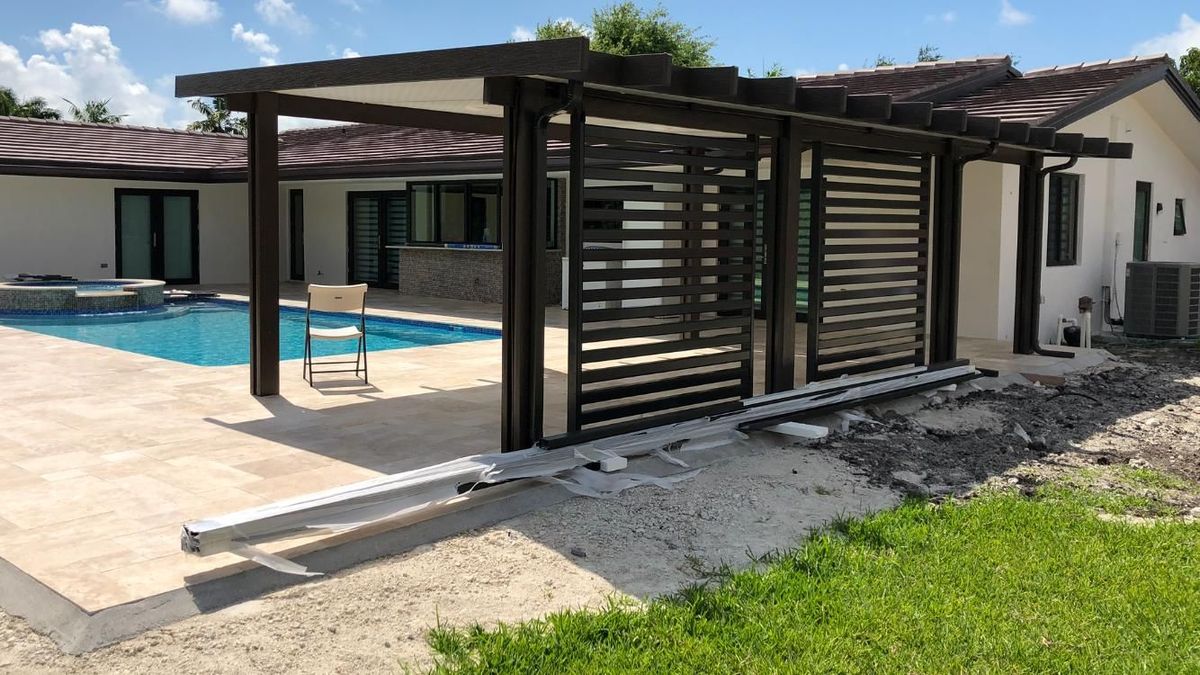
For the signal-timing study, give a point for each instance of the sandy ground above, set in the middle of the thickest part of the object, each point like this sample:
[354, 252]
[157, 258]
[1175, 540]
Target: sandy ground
[1143, 411]
[646, 542]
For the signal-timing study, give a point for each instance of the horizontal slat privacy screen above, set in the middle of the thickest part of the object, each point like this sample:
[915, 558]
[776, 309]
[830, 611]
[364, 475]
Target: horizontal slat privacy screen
[869, 261]
[662, 329]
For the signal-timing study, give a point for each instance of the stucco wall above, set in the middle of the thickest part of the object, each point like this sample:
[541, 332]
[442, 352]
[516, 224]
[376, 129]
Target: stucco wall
[1166, 146]
[1150, 120]
[67, 226]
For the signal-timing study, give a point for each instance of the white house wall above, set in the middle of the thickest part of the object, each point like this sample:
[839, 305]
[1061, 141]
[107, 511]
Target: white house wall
[1162, 141]
[1166, 140]
[68, 226]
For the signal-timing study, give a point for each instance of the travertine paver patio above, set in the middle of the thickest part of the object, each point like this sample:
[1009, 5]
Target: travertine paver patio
[105, 453]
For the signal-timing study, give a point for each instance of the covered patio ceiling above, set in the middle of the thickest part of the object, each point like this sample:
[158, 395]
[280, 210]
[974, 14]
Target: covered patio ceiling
[448, 88]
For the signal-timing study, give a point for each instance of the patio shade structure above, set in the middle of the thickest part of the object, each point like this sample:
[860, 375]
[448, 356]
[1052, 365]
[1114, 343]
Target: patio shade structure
[884, 232]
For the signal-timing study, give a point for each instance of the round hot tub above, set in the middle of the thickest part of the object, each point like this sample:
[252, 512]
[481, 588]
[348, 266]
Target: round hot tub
[84, 297]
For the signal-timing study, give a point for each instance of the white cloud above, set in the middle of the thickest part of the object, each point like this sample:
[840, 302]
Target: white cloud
[258, 43]
[944, 17]
[1011, 16]
[348, 53]
[283, 13]
[190, 11]
[352, 5]
[843, 66]
[522, 34]
[82, 64]
[1174, 43]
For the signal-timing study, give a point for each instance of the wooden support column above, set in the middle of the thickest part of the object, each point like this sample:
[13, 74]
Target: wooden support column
[263, 177]
[522, 236]
[1029, 258]
[947, 243]
[781, 227]
[816, 256]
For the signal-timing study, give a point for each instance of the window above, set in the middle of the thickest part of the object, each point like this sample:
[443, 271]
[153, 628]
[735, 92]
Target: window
[1062, 224]
[1180, 225]
[466, 214]
[296, 234]
[1141, 221]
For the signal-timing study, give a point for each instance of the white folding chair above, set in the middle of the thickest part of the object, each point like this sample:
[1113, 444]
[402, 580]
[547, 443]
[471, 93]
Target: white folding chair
[341, 299]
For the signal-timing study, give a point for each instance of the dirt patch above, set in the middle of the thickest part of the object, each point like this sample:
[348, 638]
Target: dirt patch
[646, 542]
[1142, 412]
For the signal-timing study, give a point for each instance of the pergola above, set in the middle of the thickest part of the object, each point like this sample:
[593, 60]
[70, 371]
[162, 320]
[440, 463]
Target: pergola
[883, 237]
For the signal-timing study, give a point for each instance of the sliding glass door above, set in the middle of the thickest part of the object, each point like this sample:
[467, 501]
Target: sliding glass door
[378, 226]
[158, 235]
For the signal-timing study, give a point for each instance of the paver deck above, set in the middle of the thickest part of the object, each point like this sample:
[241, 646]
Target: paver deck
[104, 453]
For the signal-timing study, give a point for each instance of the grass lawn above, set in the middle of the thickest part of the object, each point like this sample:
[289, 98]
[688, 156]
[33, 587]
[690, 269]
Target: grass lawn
[1002, 583]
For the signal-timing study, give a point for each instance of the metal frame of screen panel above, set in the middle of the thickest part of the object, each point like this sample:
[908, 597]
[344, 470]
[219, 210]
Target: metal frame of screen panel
[869, 262]
[662, 311]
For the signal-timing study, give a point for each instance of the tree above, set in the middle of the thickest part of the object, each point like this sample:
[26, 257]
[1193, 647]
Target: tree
[35, 107]
[217, 118]
[625, 28]
[775, 70]
[928, 54]
[881, 61]
[95, 112]
[1189, 68]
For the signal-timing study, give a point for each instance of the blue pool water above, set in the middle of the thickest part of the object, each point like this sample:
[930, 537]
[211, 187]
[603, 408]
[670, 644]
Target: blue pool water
[217, 333]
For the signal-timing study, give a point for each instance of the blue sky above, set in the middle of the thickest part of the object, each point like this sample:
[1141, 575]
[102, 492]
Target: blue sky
[129, 50]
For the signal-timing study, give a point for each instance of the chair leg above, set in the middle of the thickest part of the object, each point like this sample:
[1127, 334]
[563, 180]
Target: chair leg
[364, 357]
[308, 359]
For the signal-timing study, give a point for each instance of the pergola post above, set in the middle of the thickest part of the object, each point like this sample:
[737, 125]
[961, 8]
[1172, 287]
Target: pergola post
[522, 237]
[263, 179]
[1027, 310]
[780, 238]
[947, 245]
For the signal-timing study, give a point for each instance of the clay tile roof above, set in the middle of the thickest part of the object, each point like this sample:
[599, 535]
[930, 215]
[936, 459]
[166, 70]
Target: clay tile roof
[913, 81]
[55, 142]
[1054, 96]
[383, 144]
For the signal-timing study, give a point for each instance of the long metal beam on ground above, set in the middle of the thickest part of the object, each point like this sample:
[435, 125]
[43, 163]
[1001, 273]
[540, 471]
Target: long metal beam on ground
[412, 493]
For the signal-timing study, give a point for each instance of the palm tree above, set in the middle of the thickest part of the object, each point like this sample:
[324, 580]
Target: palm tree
[218, 118]
[94, 111]
[36, 107]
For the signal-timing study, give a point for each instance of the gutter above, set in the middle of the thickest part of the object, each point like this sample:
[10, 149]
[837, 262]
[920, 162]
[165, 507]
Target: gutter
[1042, 173]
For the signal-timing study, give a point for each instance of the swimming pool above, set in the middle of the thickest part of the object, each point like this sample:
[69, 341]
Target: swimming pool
[217, 332]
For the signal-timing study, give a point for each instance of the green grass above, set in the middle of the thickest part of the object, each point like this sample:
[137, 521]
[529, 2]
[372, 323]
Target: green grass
[1002, 583]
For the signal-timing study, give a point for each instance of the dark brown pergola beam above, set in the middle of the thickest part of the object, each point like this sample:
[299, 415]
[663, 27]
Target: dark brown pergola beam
[912, 114]
[1119, 150]
[821, 100]
[642, 70]
[982, 126]
[768, 91]
[263, 175]
[948, 121]
[1095, 147]
[542, 57]
[873, 107]
[1068, 144]
[719, 82]
[1016, 133]
[1042, 137]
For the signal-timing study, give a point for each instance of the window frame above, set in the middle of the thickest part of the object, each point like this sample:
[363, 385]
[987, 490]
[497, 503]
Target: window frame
[1057, 255]
[1148, 225]
[1179, 228]
[553, 221]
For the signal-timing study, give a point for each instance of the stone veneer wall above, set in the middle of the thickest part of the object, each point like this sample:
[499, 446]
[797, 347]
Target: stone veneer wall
[476, 274]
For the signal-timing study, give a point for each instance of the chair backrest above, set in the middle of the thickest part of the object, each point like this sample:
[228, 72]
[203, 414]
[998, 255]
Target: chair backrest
[337, 298]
